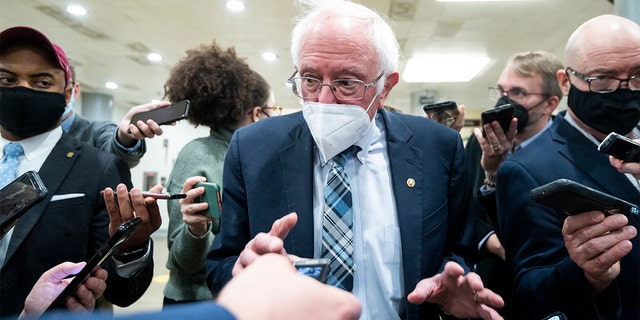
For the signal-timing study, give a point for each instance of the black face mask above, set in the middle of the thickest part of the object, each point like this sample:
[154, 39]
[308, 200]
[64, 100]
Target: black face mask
[519, 112]
[617, 111]
[26, 112]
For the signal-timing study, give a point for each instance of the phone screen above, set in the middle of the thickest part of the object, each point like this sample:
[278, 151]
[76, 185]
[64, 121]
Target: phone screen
[18, 197]
[315, 268]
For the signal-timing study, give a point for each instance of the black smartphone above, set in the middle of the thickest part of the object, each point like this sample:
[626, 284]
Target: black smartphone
[164, 115]
[122, 234]
[620, 147]
[214, 199]
[444, 112]
[315, 268]
[503, 114]
[18, 197]
[573, 198]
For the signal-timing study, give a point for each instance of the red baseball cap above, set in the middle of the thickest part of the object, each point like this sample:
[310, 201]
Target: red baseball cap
[23, 34]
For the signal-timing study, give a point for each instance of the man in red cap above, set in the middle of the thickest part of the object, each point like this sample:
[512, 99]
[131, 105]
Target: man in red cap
[72, 222]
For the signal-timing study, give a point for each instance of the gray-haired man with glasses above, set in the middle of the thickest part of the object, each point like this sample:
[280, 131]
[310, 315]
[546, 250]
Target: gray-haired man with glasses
[585, 265]
[383, 196]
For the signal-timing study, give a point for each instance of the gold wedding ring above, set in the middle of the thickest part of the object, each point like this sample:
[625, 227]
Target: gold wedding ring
[496, 148]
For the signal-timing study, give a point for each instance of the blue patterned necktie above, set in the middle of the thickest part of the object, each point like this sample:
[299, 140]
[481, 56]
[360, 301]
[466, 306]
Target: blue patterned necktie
[9, 163]
[337, 224]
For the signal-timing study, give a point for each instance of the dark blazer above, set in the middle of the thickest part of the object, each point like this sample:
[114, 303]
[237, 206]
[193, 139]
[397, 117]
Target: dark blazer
[71, 229]
[545, 278]
[268, 173]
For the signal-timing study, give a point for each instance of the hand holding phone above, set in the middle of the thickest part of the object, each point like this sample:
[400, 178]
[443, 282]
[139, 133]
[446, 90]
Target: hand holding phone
[574, 198]
[443, 112]
[503, 114]
[122, 234]
[213, 198]
[164, 115]
[620, 147]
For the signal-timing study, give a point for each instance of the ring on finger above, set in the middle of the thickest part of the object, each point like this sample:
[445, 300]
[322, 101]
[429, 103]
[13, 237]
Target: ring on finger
[496, 148]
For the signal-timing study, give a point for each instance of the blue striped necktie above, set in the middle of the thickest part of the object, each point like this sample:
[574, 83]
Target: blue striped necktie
[9, 163]
[337, 224]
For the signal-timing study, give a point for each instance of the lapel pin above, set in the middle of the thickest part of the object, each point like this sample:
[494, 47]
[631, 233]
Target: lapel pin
[69, 154]
[411, 183]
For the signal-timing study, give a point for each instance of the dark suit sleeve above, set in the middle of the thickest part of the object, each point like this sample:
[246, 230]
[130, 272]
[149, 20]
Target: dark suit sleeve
[234, 233]
[545, 279]
[102, 135]
[123, 291]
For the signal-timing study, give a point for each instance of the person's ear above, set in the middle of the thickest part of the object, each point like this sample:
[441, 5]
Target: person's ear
[256, 113]
[67, 94]
[563, 81]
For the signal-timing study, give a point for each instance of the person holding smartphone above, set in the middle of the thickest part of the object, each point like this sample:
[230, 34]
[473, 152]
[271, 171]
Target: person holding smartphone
[225, 94]
[528, 82]
[383, 195]
[72, 222]
[55, 280]
[123, 140]
[584, 265]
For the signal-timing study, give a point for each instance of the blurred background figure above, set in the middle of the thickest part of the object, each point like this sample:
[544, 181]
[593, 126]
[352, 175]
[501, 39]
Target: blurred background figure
[225, 94]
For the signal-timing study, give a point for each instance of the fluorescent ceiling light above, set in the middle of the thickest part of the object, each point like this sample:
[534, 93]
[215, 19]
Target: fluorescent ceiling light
[444, 68]
[235, 5]
[76, 10]
[154, 57]
[269, 56]
[111, 85]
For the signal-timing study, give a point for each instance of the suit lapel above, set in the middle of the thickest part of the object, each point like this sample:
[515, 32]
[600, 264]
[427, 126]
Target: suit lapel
[595, 165]
[53, 172]
[405, 163]
[297, 169]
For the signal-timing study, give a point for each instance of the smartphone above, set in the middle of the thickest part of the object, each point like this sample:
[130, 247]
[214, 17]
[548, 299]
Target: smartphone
[503, 114]
[444, 112]
[164, 196]
[18, 197]
[213, 198]
[122, 234]
[164, 115]
[620, 147]
[573, 198]
[315, 268]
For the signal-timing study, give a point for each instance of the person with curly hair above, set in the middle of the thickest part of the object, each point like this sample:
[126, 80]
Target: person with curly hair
[225, 94]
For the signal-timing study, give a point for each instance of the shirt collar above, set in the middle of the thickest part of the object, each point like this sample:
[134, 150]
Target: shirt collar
[39, 144]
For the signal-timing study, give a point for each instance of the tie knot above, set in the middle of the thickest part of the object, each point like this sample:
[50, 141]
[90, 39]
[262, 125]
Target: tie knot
[342, 157]
[13, 149]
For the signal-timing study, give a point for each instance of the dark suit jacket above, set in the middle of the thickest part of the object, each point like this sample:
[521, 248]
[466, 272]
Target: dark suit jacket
[72, 229]
[101, 134]
[545, 278]
[268, 174]
[189, 311]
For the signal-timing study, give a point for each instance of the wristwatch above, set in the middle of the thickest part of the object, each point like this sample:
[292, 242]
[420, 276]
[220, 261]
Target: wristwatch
[126, 257]
[489, 180]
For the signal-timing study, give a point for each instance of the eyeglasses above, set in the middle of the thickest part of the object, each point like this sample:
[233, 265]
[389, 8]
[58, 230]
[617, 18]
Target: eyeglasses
[604, 84]
[275, 111]
[496, 93]
[343, 89]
